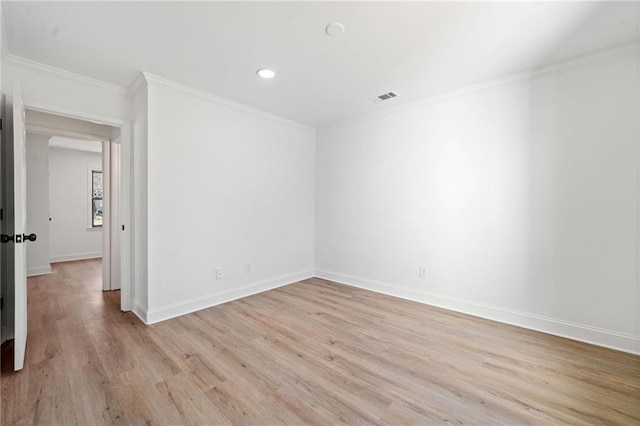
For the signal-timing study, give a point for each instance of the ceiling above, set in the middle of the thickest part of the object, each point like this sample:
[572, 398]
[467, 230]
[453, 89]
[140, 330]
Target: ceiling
[55, 125]
[75, 144]
[416, 49]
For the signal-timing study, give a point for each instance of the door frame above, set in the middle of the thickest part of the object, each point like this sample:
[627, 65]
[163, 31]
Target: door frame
[125, 194]
[3, 261]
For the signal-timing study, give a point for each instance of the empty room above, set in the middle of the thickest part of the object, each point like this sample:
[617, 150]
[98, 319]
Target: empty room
[396, 213]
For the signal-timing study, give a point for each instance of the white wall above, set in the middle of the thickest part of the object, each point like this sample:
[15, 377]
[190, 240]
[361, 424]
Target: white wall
[71, 238]
[37, 160]
[225, 185]
[524, 168]
[521, 199]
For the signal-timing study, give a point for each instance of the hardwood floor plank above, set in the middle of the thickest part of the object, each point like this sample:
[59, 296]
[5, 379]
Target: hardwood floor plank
[191, 405]
[313, 352]
[14, 389]
[139, 402]
[225, 398]
[48, 385]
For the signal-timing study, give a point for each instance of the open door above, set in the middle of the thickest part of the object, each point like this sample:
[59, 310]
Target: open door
[14, 234]
[20, 230]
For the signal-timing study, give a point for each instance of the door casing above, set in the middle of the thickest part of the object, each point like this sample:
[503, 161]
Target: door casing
[125, 204]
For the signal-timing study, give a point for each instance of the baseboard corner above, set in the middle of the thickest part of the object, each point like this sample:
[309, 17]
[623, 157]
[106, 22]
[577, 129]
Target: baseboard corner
[39, 270]
[188, 306]
[140, 311]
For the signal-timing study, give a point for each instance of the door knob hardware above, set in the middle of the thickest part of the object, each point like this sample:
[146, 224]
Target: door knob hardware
[4, 238]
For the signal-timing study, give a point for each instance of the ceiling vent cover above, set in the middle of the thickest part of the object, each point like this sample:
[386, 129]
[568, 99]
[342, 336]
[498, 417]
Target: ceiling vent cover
[386, 96]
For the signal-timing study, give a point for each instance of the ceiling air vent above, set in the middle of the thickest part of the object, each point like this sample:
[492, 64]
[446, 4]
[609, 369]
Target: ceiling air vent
[386, 96]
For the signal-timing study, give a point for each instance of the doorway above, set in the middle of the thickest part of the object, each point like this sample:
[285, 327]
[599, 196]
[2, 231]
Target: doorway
[122, 211]
[73, 175]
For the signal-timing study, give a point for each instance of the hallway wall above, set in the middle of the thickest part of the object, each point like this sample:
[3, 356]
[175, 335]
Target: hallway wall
[71, 236]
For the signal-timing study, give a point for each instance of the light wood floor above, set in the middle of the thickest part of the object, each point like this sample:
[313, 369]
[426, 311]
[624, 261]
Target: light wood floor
[309, 353]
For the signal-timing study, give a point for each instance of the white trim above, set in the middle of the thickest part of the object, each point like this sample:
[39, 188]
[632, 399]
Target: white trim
[75, 256]
[138, 84]
[39, 270]
[580, 332]
[610, 54]
[38, 66]
[217, 99]
[198, 303]
[106, 215]
[140, 311]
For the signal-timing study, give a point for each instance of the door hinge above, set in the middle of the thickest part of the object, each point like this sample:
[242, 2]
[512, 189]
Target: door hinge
[0, 123]
[1, 214]
[123, 227]
[1, 302]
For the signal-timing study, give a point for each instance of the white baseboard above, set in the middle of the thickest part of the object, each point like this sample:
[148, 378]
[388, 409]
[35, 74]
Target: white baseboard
[199, 303]
[75, 256]
[583, 333]
[38, 270]
[140, 311]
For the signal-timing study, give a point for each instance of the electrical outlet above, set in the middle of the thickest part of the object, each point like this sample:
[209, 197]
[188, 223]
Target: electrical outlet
[423, 272]
[218, 273]
[248, 266]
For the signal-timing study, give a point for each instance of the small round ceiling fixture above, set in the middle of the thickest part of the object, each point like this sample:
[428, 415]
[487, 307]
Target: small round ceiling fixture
[266, 73]
[334, 30]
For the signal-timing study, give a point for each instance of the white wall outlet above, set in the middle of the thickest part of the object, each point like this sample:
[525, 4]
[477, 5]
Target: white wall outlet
[218, 273]
[248, 266]
[423, 272]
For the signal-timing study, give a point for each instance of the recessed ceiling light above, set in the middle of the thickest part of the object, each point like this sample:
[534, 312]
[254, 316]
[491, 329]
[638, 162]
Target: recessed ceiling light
[266, 73]
[334, 29]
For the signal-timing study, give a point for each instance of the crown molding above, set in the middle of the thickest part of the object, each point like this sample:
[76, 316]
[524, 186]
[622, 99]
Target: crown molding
[224, 101]
[144, 78]
[38, 66]
[138, 84]
[617, 52]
